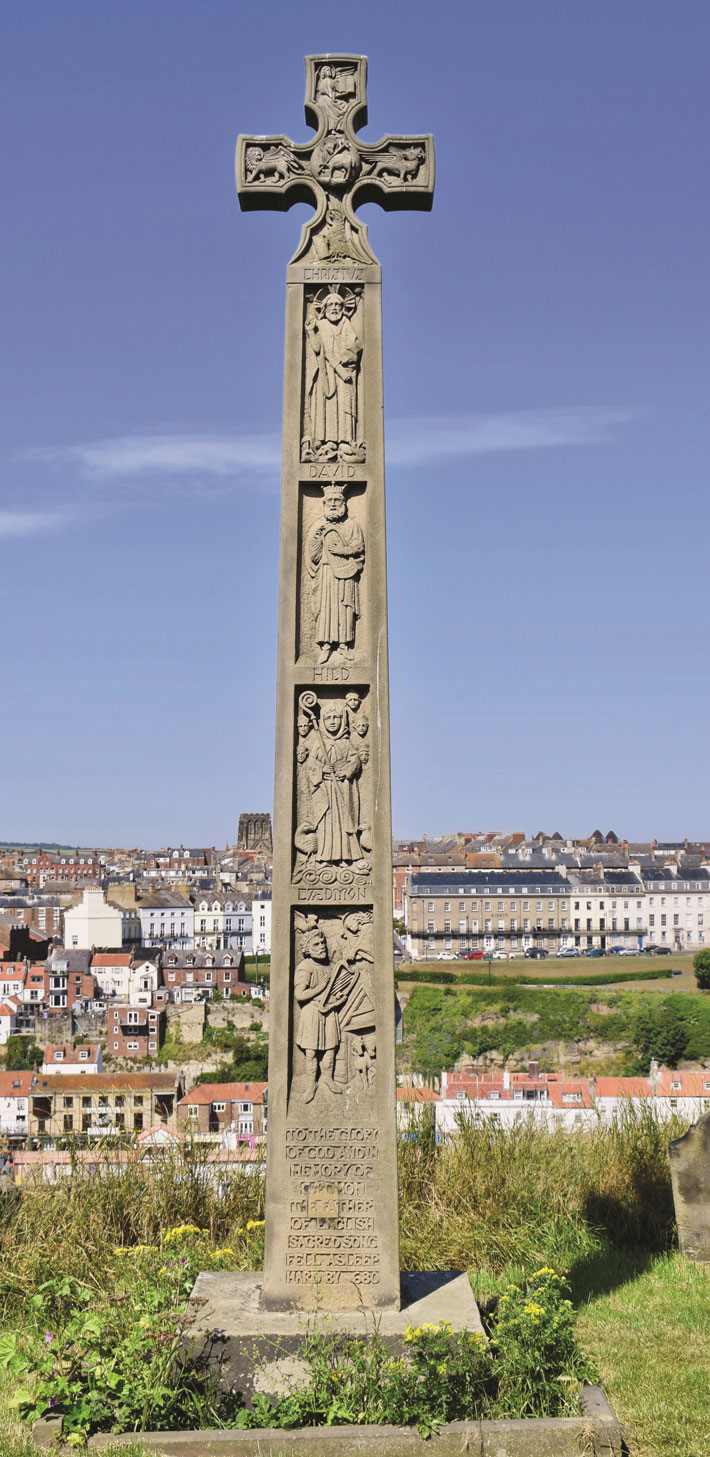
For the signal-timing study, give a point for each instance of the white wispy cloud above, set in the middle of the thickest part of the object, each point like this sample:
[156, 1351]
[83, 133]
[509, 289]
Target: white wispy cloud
[428, 439]
[28, 523]
[410, 442]
[221, 455]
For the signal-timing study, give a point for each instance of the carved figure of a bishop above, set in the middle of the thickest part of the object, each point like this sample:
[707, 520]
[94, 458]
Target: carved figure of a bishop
[333, 354]
[335, 555]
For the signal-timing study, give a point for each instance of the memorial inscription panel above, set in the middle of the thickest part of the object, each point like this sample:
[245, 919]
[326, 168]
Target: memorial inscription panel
[331, 1215]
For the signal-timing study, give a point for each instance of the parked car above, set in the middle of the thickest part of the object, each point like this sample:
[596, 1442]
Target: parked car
[595, 951]
[535, 953]
[446, 956]
[615, 951]
[472, 956]
[630, 951]
[653, 950]
[569, 951]
[499, 954]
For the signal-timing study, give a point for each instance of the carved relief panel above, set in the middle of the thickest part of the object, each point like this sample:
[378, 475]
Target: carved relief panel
[332, 623]
[332, 425]
[333, 834]
[334, 1039]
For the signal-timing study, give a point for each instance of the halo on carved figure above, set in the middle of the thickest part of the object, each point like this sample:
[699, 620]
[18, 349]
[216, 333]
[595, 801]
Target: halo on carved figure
[348, 297]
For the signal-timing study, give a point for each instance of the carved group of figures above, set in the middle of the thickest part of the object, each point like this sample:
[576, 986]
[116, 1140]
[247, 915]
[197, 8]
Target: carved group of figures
[332, 838]
[333, 989]
[333, 357]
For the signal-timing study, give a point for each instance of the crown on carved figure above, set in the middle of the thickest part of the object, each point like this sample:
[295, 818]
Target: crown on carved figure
[333, 492]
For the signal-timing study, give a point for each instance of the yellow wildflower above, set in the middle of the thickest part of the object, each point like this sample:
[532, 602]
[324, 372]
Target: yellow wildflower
[533, 1311]
[180, 1231]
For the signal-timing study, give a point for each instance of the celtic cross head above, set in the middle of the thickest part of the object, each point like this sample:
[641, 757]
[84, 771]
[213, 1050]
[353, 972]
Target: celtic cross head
[335, 171]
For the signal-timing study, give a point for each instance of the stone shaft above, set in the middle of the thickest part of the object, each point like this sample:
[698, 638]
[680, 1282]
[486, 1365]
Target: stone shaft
[331, 1212]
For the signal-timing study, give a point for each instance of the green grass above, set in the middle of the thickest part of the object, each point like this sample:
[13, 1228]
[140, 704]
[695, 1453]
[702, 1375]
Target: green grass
[647, 1327]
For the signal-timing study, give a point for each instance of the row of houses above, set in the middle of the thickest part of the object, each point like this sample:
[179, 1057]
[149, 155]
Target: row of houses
[53, 1104]
[555, 1099]
[131, 989]
[213, 920]
[556, 908]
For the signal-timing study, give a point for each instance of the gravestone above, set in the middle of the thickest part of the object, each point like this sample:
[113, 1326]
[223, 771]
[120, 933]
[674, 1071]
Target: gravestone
[690, 1176]
[331, 1187]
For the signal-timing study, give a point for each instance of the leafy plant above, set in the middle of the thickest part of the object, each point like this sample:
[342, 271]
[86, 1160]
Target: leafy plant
[115, 1362]
[701, 967]
[537, 1362]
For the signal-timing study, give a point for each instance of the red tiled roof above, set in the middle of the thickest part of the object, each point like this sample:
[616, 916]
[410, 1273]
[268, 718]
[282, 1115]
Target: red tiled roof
[206, 1093]
[417, 1095]
[692, 1084]
[8, 1081]
[623, 1088]
[111, 958]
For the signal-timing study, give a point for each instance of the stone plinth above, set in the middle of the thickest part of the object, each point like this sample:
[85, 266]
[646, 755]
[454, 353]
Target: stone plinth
[255, 1349]
[690, 1176]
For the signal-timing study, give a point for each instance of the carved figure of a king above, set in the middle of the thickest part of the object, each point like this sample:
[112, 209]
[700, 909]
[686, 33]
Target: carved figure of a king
[335, 555]
[333, 352]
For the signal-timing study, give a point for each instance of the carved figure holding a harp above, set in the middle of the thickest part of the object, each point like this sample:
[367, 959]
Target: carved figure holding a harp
[320, 990]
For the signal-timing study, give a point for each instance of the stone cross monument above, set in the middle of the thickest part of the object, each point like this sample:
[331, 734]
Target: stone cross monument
[331, 1211]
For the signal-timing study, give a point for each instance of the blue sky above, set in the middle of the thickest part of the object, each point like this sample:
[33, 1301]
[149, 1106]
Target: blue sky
[546, 384]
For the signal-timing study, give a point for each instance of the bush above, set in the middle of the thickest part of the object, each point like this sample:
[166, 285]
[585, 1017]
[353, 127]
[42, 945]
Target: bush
[701, 967]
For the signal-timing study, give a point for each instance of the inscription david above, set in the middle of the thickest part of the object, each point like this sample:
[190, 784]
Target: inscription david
[335, 1036]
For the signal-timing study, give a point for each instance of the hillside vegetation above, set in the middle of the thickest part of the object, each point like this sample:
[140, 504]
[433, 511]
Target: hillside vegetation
[557, 1025]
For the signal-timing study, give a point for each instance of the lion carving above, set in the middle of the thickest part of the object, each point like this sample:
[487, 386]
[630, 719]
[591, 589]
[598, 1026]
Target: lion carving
[399, 166]
[276, 164]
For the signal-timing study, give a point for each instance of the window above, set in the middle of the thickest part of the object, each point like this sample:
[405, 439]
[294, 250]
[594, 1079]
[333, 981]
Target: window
[447, 925]
[115, 1047]
[193, 1111]
[83, 1054]
[138, 1100]
[132, 1046]
[86, 1102]
[138, 1121]
[219, 1107]
[131, 1018]
[68, 1102]
[430, 906]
